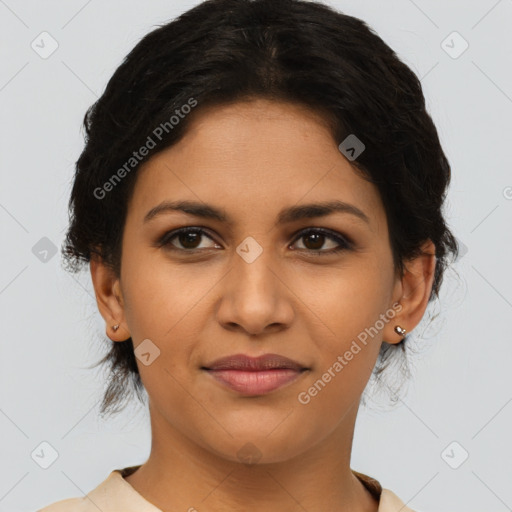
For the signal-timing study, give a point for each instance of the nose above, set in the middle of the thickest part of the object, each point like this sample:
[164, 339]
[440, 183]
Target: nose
[256, 298]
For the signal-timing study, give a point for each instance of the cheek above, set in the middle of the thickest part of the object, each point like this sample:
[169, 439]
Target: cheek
[166, 305]
[351, 297]
[160, 308]
[157, 294]
[353, 311]
[347, 353]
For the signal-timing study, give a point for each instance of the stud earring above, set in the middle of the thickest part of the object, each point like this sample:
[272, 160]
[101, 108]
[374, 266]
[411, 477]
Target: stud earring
[400, 330]
[115, 327]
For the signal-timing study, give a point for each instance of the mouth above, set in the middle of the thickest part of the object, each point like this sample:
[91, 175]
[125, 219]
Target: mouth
[252, 376]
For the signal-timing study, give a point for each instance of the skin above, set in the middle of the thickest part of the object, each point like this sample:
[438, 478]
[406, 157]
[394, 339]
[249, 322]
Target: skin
[253, 159]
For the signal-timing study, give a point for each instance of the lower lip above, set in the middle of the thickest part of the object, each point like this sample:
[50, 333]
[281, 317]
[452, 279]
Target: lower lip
[255, 382]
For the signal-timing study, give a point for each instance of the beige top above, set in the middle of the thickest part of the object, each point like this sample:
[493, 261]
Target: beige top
[115, 494]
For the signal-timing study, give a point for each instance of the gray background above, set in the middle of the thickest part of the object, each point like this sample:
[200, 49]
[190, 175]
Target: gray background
[461, 388]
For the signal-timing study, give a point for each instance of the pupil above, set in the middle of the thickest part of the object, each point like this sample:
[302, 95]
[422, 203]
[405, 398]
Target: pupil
[316, 237]
[188, 239]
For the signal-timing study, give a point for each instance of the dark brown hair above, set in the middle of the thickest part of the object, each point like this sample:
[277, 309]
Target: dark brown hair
[223, 51]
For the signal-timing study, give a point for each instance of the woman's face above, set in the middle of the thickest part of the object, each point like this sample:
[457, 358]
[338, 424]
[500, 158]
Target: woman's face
[250, 283]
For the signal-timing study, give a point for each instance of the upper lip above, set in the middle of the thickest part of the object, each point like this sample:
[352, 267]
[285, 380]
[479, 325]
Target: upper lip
[248, 363]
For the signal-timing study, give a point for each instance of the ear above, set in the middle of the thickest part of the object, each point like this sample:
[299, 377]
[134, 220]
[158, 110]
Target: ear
[109, 297]
[412, 291]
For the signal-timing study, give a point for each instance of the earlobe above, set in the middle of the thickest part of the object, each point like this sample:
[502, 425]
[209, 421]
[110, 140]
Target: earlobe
[109, 299]
[415, 287]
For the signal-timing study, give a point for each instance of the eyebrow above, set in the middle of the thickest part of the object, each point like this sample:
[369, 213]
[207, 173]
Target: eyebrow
[287, 215]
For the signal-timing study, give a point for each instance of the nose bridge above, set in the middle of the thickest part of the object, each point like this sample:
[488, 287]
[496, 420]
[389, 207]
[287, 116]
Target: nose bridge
[254, 296]
[253, 273]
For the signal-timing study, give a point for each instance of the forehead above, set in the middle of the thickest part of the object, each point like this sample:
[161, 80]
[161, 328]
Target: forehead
[257, 156]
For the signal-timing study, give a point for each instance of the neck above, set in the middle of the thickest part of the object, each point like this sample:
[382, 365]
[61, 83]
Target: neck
[182, 475]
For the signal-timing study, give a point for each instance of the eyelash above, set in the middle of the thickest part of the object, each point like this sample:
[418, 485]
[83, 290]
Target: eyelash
[345, 244]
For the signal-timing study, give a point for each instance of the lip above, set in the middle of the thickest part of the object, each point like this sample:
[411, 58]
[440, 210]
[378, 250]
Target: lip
[249, 363]
[253, 376]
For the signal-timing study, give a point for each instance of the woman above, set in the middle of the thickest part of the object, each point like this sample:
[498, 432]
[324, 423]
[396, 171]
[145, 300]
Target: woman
[260, 203]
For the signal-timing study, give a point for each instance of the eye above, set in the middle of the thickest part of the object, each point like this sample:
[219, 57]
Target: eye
[315, 238]
[188, 238]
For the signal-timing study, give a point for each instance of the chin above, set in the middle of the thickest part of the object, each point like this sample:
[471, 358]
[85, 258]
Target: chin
[259, 449]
